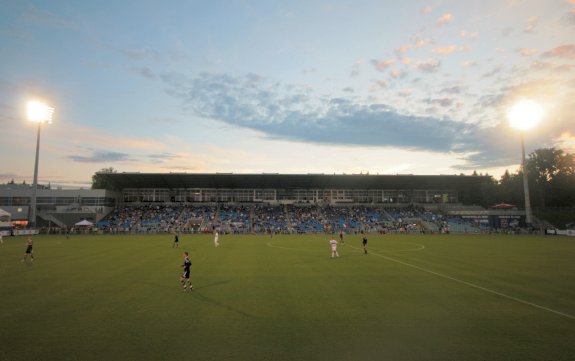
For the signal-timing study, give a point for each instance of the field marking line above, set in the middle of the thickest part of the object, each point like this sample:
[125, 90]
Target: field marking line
[474, 286]
[419, 248]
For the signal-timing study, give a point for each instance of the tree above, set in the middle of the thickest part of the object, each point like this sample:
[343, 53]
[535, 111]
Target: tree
[100, 182]
[550, 168]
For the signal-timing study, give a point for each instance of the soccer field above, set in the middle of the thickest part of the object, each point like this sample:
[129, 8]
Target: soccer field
[449, 297]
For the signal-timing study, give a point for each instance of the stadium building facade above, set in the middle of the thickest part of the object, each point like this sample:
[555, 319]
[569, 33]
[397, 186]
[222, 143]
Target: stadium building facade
[449, 194]
[292, 188]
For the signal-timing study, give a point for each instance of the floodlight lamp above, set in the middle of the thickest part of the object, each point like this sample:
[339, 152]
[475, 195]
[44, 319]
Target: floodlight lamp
[39, 112]
[525, 115]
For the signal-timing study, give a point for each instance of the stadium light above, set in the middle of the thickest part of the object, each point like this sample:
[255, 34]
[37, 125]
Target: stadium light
[523, 116]
[39, 113]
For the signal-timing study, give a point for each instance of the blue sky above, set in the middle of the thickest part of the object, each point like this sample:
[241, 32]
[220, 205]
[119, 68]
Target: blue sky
[410, 87]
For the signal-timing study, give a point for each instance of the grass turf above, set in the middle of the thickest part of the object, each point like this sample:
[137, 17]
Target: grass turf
[258, 298]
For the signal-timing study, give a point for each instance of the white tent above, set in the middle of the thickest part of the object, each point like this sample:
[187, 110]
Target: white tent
[4, 216]
[84, 223]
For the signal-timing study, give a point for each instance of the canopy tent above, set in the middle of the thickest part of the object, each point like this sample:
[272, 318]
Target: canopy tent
[84, 223]
[5, 216]
[503, 206]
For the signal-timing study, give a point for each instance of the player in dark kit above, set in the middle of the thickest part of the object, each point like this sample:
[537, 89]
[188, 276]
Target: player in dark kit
[341, 236]
[29, 250]
[364, 244]
[176, 241]
[185, 277]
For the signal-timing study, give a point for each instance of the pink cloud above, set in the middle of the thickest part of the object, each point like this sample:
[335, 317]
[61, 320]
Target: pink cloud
[564, 51]
[421, 42]
[464, 48]
[467, 63]
[468, 34]
[406, 60]
[397, 74]
[444, 19]
[527, 51]
[382, 83]
[531, 24]
[381, 65]
[446, 50]
[426, 10]
[402, 49]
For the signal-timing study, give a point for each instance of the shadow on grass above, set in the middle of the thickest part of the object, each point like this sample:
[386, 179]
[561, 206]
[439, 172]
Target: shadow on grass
[196, 295]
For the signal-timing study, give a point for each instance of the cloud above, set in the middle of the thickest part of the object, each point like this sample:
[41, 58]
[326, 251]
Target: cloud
[445, 50]
[382, 83]
[527, 51]
[531, 24]
[404, 93]
[566, 51]
[468, 34]
[285, 114]
[444, 19]
[355, 69]
[453, 89]
[442, 102]
[44, 17]
[161, 157]
[426, 9]
[291, 112]
[419, 42]
[428, 66]
[144, 72]
[402, 49]
[569, 18]
[405, 60]
[381, 65]
[496, 70]
[398, 74]
[468, 63]
[141, 53]
[100, 156]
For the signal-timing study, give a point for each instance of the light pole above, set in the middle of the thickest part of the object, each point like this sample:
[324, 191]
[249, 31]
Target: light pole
[40, 113]
[523, 116]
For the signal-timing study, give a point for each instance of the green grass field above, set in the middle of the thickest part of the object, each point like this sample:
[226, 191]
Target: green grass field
[257, 298]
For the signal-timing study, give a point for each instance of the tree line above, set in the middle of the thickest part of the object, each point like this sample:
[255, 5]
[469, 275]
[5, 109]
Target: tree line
[551, 177]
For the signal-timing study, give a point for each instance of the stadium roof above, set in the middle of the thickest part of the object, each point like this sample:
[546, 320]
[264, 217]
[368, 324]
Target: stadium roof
[289, 181]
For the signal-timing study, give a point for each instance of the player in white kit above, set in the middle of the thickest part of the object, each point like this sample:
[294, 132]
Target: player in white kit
[333, 244]
[216, 236]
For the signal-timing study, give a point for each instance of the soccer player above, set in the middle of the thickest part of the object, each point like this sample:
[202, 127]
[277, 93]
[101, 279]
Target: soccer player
[185, 277]
[176, 240]
[1, 239]
[216, 238]
[29, 251]
[364, 244]
[333, 244]
[341, 236]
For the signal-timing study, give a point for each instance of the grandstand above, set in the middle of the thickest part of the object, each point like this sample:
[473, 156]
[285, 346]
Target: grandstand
[272, 203]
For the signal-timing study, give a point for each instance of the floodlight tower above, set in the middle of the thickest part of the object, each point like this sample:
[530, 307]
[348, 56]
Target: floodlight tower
[41, 114]
[523, 116]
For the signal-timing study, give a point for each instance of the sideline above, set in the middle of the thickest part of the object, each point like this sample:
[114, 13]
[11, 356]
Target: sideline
[473, 285]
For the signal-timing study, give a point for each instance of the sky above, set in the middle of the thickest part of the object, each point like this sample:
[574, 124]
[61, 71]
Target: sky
[346, 87]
